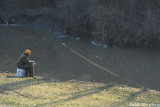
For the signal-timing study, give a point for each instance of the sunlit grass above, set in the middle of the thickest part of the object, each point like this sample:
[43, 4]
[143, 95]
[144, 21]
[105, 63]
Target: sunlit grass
[41, 92]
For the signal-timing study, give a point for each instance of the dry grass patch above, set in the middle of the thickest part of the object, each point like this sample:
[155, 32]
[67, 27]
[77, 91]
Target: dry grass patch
[40, 92]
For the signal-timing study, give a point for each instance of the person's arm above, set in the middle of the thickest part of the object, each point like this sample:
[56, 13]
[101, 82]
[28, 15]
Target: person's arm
[31, 61]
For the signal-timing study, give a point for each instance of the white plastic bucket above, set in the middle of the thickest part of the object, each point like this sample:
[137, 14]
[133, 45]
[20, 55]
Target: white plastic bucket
[20, 72]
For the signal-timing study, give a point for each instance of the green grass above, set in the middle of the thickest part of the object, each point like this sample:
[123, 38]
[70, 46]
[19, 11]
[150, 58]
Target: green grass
[40, 92]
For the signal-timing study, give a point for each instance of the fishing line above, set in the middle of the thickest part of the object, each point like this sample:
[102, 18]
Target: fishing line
[101, 66]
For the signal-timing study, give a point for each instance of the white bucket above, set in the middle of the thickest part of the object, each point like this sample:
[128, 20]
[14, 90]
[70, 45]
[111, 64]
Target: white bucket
[20, 72]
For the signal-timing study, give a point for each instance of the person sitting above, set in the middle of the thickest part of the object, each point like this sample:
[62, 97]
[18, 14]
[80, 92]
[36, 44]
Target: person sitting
[25, 63]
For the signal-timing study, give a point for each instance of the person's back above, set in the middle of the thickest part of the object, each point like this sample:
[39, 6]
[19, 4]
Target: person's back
[23, 61]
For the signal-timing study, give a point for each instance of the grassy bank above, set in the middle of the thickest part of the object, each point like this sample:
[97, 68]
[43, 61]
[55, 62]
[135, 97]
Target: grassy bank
[48, 92]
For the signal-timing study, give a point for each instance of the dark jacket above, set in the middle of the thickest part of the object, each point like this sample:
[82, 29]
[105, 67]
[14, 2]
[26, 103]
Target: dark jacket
[23, 61]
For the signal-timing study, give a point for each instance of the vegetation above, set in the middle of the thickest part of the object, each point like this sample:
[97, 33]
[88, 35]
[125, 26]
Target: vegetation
[16, 91]
[120, 23]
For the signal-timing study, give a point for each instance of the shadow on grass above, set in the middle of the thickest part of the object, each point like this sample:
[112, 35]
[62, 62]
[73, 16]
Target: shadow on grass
[18, 85]
[22, 84]
[131, 97]
[27, 95]
[80, 94]
[14, 77]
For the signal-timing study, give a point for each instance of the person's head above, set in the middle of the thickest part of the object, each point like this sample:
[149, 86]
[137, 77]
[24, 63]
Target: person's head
[27, 51]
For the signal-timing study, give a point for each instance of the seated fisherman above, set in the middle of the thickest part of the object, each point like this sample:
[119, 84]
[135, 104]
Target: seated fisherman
[25, 63]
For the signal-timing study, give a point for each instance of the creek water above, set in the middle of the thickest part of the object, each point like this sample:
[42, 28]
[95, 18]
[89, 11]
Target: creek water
[141, 66]
[55, 61]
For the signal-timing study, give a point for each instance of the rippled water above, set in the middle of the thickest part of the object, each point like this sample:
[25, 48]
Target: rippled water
[138, 65]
